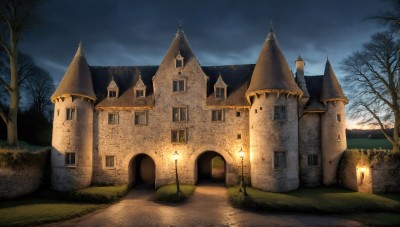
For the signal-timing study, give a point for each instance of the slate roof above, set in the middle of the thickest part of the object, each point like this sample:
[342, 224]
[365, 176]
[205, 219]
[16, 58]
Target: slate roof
[272, 72]
[331, 89]
[77, 79]
[314, 84]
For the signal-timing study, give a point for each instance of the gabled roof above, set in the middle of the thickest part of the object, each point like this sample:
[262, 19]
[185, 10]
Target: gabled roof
[314, 84]
[179, 46]
[77, 80]
[331, 89]
[272, 72]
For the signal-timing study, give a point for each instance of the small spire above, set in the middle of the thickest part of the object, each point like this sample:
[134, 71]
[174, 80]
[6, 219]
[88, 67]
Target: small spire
[271, 28]
[271, 34]
[80, 52]
[180, 29]
[299, 58]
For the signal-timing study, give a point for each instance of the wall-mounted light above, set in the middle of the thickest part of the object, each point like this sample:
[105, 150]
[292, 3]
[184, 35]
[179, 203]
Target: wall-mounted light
[362, 172]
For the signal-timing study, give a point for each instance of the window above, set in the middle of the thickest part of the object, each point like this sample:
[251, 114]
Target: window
[140, 118]
[239, 136]
[113, 118]
[58, 112]
[338, 118]
[179, 63]
[217, 115]
[71, 114]
[280, 113]
[112, 94]
[178, 86]
[70, 158]
[178, 136]
[139, 93]
[260, 107]
[179, 114]
[110, 161]
[312, 160]
[279, 160]
[255, 110]
[237, 113]
[338, 138]
[220, 92]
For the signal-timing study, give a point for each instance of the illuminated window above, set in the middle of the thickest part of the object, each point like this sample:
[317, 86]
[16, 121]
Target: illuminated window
[178, 136]
[179, 114]
[312, 160]
[140, 118]
[280, 113]
[220, 92]
[178, 86]
[217, 115]
[71, 114]
[338, 118]
[139, 94]
[110, 161]
[113, 118]
[279, 160]
[70, 159]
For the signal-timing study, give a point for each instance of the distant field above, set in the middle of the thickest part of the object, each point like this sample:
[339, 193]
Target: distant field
[366, 143]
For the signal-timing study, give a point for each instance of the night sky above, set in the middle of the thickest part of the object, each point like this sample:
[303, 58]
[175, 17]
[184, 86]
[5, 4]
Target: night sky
[220, 32]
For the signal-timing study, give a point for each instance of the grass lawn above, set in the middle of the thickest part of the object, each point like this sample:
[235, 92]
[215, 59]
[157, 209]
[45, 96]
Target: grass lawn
[365, 143]
[167, 193]
[323, 200]
[51, 206]
[38, 211]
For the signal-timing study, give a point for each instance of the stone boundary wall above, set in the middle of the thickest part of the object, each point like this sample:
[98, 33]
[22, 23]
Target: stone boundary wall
[370, 171]
[22, 173]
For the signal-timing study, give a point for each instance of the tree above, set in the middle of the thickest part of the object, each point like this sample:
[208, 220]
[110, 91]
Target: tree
[373, 82]
[390, 17]
[15, 17]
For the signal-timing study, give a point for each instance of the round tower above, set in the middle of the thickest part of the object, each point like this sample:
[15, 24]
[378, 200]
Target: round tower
[72, 142]
[273, 94]
[333, 125]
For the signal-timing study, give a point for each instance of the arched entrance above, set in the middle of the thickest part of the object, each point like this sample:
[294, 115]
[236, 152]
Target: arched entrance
[142, 172]
[211, 167]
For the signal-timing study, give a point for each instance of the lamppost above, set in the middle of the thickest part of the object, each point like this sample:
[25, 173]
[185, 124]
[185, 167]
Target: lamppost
[176, 156]
[241, 154]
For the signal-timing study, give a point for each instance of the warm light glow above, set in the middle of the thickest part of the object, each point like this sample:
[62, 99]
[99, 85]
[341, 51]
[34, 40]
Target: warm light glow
[362, 169]
[241, 153]
[176, 156]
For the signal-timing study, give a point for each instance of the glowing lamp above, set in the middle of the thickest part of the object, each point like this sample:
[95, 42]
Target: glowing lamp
[362, 169]
[241, 153]
[176, 156]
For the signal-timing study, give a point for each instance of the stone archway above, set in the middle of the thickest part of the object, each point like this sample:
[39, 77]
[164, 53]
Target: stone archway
[142, 172]
[211, 167]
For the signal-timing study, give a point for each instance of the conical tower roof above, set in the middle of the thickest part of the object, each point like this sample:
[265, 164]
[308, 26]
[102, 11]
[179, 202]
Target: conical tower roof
[331, 89]
[179, 45]
[77, 80]
[271, 72]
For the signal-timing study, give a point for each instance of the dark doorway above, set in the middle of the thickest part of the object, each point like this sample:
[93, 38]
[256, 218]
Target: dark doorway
[211, 167]
[142, 172]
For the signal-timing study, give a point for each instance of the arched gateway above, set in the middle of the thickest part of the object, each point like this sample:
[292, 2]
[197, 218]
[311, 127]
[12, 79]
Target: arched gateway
[211, 167]
[142, 171]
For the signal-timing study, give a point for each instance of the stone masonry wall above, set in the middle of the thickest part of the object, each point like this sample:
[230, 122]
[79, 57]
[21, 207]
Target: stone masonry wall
[23, 178]
[370, 171]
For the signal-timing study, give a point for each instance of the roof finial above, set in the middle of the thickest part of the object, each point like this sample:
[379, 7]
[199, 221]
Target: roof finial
[271, 28]
[180, 30]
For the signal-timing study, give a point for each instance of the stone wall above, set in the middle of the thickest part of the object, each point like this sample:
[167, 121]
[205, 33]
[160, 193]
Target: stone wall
[370, 171]
[24, 175]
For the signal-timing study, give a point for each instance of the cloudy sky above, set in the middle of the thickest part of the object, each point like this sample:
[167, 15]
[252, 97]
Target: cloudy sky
[130, 32]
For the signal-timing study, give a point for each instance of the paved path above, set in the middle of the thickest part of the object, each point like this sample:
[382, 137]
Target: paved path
[209, 206]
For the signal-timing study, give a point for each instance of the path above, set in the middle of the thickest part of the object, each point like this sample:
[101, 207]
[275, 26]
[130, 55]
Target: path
[209, 206]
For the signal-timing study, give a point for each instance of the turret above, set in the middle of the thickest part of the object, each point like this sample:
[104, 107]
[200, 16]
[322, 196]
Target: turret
[300, 76]
[273, 94]
[72, 142]
[333, 125]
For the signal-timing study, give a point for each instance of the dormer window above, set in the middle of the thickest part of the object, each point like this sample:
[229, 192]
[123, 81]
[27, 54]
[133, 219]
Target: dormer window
[112, 89]
[220, 92]
[140, 88]
[220, 88]
[179, 61]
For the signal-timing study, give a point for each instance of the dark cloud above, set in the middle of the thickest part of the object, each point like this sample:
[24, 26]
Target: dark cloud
[126, 32]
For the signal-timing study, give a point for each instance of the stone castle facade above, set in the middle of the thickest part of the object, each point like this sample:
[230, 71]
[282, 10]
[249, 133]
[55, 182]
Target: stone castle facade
[121, 125]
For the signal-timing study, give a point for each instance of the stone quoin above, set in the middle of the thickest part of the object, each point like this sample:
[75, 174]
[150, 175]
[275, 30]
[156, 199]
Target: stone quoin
[121, 125]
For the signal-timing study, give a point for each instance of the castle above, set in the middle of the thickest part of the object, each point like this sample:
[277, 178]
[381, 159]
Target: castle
[122, 125]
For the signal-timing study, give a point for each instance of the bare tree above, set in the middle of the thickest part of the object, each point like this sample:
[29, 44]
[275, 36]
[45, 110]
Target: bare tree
[390, 17]
[372, 79]
[39, 90]
[15, 17]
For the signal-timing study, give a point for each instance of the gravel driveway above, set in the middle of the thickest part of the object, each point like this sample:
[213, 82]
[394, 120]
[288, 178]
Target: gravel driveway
[209, 206]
